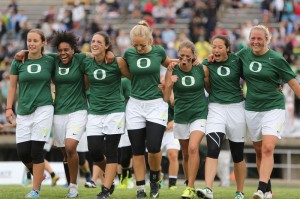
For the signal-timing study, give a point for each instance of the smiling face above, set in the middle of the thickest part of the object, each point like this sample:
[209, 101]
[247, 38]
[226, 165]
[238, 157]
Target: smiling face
[98, 45]
[34, 43]
[141, 44]
[219, 50]
[258, 42]
[65, 52]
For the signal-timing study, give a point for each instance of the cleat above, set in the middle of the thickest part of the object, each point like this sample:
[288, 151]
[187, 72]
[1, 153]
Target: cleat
[54, 180]
[172, 188]
[239, 195]
[123, 183]
[205, 193]
[130, 183]
[104, 193]
[140, 194]
[73, 191]
[90, 184]
[154, 189]
[188, 193]
[32, 194]
[258, 195]
[268, 195]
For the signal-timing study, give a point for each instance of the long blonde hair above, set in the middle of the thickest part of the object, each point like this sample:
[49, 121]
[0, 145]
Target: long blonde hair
[142, 29]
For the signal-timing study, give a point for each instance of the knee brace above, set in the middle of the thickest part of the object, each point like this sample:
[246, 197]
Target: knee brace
[125, 156]
[37, 154]
[81, 158]
[214, 144]
[237, 151]
[96, 148]
[111, 151]
[154, 134]
[137, 139]
[24, 152]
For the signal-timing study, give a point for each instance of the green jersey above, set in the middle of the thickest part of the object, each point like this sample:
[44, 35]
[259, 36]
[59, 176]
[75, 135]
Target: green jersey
[105, 85]
[126, 89]
[34, 77]
[69, 85]
[263, 74]
[145, 72]
[224, 78]
[190, 101]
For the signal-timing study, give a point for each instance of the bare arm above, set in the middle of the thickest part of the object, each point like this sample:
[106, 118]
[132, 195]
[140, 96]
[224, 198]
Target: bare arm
[206, 79]
[10, 98]
[123, 67]
[86, 82]
[168, 86]
[293, 83]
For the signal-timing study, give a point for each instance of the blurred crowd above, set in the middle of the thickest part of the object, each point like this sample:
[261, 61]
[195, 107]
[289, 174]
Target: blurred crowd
[202, 17]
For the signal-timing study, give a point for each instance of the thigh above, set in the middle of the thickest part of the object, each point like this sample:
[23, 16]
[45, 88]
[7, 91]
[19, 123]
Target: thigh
[236, 123]
[76, 124]
[273, 122]
[135, 118]
[43, 120]
[114, 123]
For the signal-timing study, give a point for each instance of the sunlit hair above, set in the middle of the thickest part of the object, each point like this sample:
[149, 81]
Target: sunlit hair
[142, 29]
[189, 45]
[106, 39]
[67, 37]
[42, 35]
[263, 29]
[225, 39]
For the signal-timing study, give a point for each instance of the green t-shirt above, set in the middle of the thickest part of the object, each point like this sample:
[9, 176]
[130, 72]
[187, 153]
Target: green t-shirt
[34, 78]
[69, 85]
[105, 85]
[190, 102]
[145, 72]
[224, 78]
[263, 74]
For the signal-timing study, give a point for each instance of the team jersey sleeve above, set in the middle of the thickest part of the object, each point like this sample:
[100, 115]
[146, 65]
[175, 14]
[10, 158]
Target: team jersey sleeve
[14, 67]
[162, 53]
[53, 55]
[285, 70]
[205, 62]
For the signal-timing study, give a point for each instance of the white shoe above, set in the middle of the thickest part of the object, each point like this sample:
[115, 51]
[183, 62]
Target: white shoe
[73, 191]
[205, 193]
[239, 195]
[258, 195]
[268, 195]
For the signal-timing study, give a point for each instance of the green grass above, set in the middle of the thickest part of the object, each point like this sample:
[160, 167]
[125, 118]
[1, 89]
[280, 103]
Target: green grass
[14, 192]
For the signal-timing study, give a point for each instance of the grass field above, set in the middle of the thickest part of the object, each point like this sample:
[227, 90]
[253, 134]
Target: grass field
[15, 192]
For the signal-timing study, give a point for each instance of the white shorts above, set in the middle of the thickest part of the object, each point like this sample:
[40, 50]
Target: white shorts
[265, 123]
[35, 126]
[109, 124]
[48, 144]
[229, 119]
[83, 144]
[70, 125]
[124, 141]
[169, 142]
[183, 131]
[140, 111]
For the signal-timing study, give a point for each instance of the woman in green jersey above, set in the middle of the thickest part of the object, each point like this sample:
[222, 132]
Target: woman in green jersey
[35, 109]
[146, 112]
[226, 115]
[190, 110]
[106, 112]
[263, 70]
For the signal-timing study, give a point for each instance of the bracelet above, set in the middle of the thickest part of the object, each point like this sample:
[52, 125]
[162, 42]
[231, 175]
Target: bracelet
[8, 109]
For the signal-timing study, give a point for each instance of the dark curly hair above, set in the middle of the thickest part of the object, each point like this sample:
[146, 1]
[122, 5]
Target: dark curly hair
[63, 36]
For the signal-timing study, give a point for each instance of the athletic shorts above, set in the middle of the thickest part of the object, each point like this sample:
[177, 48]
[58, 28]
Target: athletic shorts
[83, 145]
[70, 125]
[124, 141]
[229, 119]
[183, 131]
[265, 123]
[48, 144]
[169, 142]
[140, 111]
[35, 126]
[109, 124]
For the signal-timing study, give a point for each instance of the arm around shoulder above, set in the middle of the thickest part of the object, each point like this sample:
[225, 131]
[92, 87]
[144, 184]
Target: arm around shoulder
[168, 86]
[206, 78]
[123, 67]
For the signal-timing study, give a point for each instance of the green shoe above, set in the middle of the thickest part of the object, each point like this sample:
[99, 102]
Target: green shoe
[188, 193]
[239, 195]
[172, 188]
